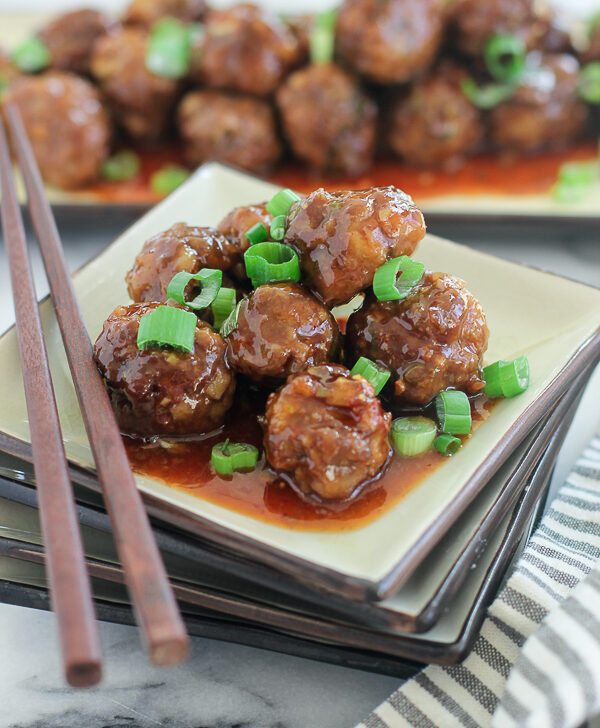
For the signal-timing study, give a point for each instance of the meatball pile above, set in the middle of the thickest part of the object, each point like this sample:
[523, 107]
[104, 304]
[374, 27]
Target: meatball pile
[406, 78]
[325, 429]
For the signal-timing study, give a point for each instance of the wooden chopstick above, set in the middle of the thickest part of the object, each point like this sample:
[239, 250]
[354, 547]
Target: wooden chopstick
[65, 560]
[146, 578]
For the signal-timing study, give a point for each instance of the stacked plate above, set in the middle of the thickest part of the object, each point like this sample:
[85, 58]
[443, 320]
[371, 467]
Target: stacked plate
[410, 586]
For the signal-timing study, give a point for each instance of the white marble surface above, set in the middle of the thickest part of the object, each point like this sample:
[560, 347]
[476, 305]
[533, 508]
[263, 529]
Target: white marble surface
[226, 685]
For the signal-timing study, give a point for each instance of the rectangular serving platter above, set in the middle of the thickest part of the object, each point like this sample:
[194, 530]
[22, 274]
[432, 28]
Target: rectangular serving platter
[380, 649]
[472, 203]
[553, 320]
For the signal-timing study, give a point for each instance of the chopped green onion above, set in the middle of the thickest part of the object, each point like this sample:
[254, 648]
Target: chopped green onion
[412, 435]
[453, 411]
[31, 55]
[278, 227]
[268, 262]
[169, 48]
[257, 233]
[506, 378]
[281, 202]
[446, 444]
[210, 283]
[374, 373]
[488, 96]
[227, 457]
[575, 180]
[231, 321]
[168, 179]
[395, 279]
[121, 166]
[167, 326]
[589, 83]
[504, 56]
[222, 306]
[322, 37]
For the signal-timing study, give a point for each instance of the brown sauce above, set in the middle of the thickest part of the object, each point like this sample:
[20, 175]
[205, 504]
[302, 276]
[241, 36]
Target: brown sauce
[261, 494]
[485, 174]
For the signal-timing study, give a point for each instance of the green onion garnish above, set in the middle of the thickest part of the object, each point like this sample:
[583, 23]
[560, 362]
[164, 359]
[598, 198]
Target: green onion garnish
[121, 166]
[575, 180]
[222, 306]
[506, 378]
[395, 279]
[446, 444]
[169, 48]
[210, 283]
[231, 321]
[488, 96]
[167, 326]
[31, 55]
[504, 56]
[227, 457]
[453, 411]
[278, 227]
[589, 83]
[257, 233]
[168, 179]
[322, 37]
[412, 435]
[281, 202]
[266, 262]
[374, 373]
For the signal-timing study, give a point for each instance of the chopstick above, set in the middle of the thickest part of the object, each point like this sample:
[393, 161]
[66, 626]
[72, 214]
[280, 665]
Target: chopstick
[65, 560]
[146, 578]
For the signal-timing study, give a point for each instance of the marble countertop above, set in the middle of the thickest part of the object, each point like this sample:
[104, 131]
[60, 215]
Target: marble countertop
[225, 685]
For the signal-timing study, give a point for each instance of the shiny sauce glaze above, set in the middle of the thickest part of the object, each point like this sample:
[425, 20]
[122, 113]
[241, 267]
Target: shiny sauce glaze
[484, 174]
[261, 494]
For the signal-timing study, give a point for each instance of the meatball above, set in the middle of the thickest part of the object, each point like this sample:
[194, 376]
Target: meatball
[434, 122]
[146, 12]
[246, 49]
[329, 121]
[237, 130]
[180, 248]
[545, 110]
[281, 330]
[140, 100]
[235, 225]
[70, 38]
[66, 124]
[161, 391]
[432, 340]
[326, 431]
[475, 21]
[343, 237]
[389, 41]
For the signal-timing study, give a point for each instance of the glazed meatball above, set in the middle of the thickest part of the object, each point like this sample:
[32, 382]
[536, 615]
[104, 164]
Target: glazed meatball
[146, 12]
[180, 248]
[281, 330]
[343, 237]
[161, 391]
[140, 100]
[329, 121]
[432, 340]
[66, 124]
[434, 123]
[237, 130]
[389, 41]
[235, 225]
[70, 38]
[545, 110]
[326, 431]
[246, 49]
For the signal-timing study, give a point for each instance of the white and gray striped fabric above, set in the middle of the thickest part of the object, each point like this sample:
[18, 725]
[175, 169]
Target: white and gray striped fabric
[536, 662]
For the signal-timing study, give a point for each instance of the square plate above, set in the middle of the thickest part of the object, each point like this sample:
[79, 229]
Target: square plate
[553, 320]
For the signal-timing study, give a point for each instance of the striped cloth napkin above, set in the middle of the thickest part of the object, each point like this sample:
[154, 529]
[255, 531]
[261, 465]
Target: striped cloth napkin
[536, 662]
